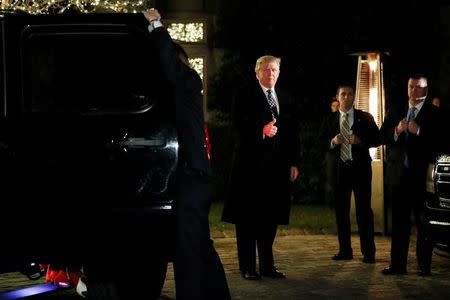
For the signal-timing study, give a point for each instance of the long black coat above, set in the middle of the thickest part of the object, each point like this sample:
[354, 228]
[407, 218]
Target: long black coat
[260, 188]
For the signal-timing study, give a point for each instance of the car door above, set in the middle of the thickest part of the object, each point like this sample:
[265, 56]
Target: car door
[90, 128]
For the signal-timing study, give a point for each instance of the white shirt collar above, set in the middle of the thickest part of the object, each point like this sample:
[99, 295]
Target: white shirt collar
[417, 106]
[266, 88]
[350, 112]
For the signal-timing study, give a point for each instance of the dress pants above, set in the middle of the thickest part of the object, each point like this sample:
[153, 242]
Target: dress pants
[251, 237]
[407, 197]
[357, 178]
[199, 273]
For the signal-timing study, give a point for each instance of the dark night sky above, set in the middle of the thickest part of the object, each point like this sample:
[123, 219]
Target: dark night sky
[315, 39]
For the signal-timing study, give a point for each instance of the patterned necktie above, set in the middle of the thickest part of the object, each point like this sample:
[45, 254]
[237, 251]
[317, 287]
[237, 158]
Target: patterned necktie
[272, 104]
[346, 148]
[411, 116]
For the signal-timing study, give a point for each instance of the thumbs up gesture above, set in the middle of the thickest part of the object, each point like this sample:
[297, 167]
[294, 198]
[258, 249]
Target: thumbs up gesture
[270, 130]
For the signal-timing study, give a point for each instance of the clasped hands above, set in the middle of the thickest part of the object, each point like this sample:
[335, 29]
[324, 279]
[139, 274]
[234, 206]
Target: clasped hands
[353, 139]
[270, 130]
[403, 125]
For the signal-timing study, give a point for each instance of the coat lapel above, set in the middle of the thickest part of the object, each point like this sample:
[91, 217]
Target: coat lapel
[336, 125]
[356, 119]
[422, 112]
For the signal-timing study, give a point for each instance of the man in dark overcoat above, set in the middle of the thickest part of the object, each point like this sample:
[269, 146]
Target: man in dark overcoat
[265, 164]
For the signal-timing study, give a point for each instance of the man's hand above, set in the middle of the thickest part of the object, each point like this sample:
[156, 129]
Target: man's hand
[401, 127]
[354, 139]
[270, 130]
[294, 173]
[152, 15]
[413, 127]
[338, 139]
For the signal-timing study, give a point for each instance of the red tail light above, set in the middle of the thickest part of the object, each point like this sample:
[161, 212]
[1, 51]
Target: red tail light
[207, 141]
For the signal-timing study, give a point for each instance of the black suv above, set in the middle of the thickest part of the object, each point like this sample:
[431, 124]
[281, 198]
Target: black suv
[438, 202]
[88, 149]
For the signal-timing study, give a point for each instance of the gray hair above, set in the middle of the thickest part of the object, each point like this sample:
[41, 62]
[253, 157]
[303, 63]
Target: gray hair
[266, 59]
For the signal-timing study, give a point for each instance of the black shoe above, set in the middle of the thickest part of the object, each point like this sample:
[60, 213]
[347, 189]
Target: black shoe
[393, 271]
[250, 275]
[424, 272]
[342, 256]
[273, 273]
[369, 259]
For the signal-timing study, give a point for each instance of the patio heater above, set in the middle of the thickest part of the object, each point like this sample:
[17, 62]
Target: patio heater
[369, 97]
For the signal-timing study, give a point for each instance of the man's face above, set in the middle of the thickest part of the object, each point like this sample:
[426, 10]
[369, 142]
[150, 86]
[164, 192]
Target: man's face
[268, 74]
[417, 90]
[436, 102]
[334, 106]
[346, 97]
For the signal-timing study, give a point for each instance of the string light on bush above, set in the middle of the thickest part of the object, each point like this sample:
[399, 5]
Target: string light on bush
[84, 6]
[197, 64]
[186, 32]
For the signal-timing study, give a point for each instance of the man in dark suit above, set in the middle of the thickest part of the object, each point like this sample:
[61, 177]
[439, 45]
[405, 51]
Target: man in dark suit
[410, 132]
[348, 134]
[198, 270]
[266, 153]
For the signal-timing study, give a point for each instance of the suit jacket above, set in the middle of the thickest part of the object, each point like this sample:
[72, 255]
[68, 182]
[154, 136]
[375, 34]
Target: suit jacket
[364, 127]
[186, 85]
[263, 160]
[421, 149]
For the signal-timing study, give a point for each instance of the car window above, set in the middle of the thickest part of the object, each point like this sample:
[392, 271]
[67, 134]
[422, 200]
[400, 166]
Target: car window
[94, 72]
